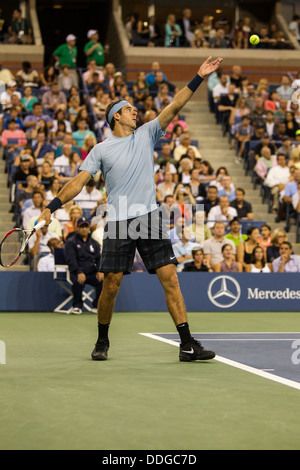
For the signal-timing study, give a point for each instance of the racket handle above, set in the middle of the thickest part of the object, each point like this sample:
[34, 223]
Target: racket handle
[39, 225]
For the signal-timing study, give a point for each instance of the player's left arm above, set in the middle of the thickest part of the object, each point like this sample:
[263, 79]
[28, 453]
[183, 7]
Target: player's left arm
[184, 95]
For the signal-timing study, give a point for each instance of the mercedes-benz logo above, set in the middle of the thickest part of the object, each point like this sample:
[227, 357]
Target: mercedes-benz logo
[224, 291]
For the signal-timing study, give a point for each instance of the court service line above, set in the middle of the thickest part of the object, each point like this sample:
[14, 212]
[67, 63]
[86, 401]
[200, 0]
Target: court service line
[238, 365]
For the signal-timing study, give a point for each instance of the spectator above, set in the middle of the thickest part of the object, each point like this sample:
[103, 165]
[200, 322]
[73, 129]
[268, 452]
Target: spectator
[81, 133]
[53, 189]
[294, 26]
[228, 264]
[89, 142]
[72, 168]
[270, 124]
[94, 49]
[291, 124]
[46, 263]
[245, 249]
[198, 189]
[88, 198]
[277, 237]
[159, 80]
[67, 53]
[242, 207]
[26, 192]
[199, 263]
[162, 97]
[24, 168]
[265, 141]
[187, 26]
[151, 76]
[258, 262]
[38, 243]
[35, 210]
[6, 75]
[227, 189]
[67, 140]
[54, 99]
[32, 121]
[172, 32]
[185, 145]
[221, 212]
[27, 76]
[28, 99]
[239, 40]
[285, 91]
[265, 163]
[198, 41]
[48, 76]
[184, 202]
[69, 227]
[200, 229]
[183, 248]
[140, 88]
[13, 138]
[235, 234]
[287, 262]
[221, 88]
[218, 41]
[20, 29]
[279, 114]
[265, 238]
[82, 254]
[277, 178]
[61, 162]
[6, 96]
[167, 186]
[226, 105]
[66, 80]
[184, 170]
[41, 147]
[211, 199]
[213, 246]
[243, 134]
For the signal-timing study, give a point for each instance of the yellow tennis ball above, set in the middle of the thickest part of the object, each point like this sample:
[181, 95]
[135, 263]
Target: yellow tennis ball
[254, 39]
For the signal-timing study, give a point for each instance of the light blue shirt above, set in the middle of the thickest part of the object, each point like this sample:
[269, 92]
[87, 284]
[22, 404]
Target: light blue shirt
[128, 170]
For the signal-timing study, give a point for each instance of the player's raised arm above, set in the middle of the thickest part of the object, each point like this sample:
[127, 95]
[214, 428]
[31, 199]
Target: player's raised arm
[68, 192]
[183, 96]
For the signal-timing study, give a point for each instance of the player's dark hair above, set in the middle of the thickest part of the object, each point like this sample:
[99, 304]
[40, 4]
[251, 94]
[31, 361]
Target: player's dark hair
[112, 122]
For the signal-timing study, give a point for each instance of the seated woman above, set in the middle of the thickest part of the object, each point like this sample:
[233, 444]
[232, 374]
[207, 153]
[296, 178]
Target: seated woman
[228, 265]
[199, 264]
[258, 262]
[245, 249]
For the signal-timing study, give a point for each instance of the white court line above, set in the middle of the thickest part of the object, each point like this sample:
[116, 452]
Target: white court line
[238, 365]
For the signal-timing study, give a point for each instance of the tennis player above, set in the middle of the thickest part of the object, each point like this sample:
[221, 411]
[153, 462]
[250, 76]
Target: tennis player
[126, 162]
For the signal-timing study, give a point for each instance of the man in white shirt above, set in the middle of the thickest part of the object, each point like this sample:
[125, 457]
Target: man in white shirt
[212, 247]
[60, 163]
[183, 248]
[35, 210]
[88, 198]
[287, 262]
[277, 178]
[38, 243]
[223, 212]
[221, 88]
[46, 263]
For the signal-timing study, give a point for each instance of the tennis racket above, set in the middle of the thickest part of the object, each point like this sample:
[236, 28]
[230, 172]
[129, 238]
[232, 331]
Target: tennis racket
[14, 244]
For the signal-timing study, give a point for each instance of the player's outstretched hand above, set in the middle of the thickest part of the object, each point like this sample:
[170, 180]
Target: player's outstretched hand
[46, 216]
[209, 66]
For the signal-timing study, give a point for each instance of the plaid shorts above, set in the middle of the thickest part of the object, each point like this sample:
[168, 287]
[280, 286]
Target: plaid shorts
[144, 233]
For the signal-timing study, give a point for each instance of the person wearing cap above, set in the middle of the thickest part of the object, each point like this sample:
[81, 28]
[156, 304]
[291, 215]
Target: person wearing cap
[83, 256]
[93, 49]
[67, 53]
[125, 159]
[5, 97]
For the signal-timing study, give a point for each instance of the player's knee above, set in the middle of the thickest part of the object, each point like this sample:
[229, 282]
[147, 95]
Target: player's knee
[171, 283]
[112, 284]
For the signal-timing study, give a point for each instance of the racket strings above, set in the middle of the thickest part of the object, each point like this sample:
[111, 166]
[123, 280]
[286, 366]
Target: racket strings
[11, 247]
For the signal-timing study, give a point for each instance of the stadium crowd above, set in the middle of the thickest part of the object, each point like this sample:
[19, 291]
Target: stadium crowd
[208, 32]
[50, 120]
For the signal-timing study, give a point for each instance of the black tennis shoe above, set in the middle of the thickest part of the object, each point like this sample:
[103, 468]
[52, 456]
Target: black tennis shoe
[100, 351]
[194, 351]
